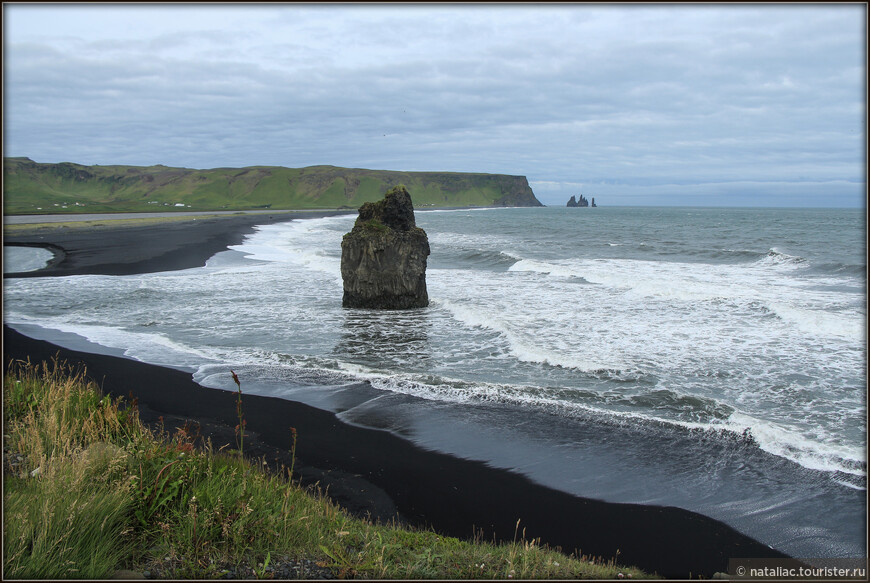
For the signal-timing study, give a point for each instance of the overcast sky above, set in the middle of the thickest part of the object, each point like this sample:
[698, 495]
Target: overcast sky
[736, 105]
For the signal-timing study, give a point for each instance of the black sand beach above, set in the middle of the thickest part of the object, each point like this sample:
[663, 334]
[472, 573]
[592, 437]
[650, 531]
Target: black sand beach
[115, 249]
[369, 471]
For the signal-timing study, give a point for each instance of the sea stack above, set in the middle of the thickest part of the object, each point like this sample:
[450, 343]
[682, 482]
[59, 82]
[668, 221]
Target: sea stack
[383, 258]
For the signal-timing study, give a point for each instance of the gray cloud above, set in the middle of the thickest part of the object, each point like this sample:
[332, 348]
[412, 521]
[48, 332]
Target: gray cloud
[627, 100]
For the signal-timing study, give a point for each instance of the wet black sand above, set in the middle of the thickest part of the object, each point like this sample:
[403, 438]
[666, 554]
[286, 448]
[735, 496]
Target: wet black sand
[369, 471]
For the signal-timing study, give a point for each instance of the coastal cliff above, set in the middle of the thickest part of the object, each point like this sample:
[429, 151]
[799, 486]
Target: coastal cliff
[35, 188]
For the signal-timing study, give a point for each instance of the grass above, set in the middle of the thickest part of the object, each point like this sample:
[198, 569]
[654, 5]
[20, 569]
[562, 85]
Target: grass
[38, 188]
[94, 491]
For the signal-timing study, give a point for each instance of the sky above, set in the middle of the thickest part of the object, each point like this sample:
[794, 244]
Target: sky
[633, 104]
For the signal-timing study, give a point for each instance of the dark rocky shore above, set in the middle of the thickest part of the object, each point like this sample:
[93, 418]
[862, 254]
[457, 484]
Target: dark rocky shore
[369, 472]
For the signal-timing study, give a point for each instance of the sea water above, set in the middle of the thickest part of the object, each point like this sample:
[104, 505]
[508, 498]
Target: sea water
[20, 259]
[712, 359]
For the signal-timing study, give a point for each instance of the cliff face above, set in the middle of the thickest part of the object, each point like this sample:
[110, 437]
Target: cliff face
[33, 188]
[383, 258]
[517, 192]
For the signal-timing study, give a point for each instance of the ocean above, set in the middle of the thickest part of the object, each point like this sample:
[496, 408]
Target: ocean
[713, 359]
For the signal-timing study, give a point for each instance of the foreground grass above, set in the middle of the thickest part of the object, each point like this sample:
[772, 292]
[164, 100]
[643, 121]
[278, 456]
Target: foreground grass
[94, 491]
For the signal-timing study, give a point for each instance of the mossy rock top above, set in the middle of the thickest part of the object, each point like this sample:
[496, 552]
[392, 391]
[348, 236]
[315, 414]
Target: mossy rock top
[394, 211]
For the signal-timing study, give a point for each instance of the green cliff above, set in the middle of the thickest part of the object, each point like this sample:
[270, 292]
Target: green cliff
[34, 188]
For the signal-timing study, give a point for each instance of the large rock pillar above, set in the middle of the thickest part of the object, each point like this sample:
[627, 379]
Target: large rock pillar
[383, 258]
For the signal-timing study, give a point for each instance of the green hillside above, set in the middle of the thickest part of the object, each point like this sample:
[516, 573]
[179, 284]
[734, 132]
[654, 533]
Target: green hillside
[33, 188]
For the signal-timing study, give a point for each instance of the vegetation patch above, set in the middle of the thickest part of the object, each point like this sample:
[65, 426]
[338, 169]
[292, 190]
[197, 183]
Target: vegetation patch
[375, 225]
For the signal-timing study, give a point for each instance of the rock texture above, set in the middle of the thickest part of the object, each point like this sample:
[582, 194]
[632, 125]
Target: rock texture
[383, 258]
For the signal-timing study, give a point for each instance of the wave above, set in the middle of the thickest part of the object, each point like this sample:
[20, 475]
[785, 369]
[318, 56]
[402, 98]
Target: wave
[841, 269]
[471, 251]
[705, 417]
[737, 255]
[713, 419]
[486, 259]
[775, 257]
[793, 446]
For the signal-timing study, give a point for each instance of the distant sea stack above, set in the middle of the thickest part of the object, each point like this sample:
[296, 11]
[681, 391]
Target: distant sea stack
[383, 258]
[584, 202]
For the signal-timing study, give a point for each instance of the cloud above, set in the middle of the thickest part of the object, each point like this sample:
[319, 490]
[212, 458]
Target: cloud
[563, 94]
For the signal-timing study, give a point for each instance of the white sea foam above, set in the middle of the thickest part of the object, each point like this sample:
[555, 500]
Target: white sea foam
[154, 348]
[296, 242]
[850, 325]
[524, 346]
[794, 446]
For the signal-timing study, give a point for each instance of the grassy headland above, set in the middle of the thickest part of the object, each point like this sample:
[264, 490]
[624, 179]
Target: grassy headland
[35, 188]
[89, 491]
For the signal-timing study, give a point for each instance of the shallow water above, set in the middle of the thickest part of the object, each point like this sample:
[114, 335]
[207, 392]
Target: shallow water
[20, 259]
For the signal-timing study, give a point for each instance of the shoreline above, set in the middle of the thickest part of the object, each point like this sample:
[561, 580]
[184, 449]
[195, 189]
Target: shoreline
[112, 248]
[368, 471]
[373, 472]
